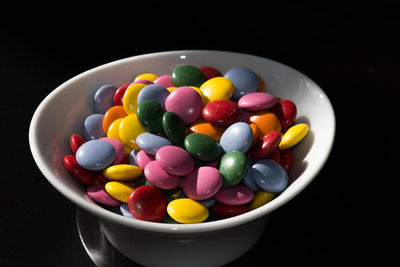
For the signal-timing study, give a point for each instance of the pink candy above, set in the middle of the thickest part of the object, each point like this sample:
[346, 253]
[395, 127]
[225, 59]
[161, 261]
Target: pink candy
[99, 194]
[160, 178]
[257, 101]
[236, 195]
[175, 160]
[203, 183]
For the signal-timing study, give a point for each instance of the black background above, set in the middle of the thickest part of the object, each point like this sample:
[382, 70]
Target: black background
[347, 216]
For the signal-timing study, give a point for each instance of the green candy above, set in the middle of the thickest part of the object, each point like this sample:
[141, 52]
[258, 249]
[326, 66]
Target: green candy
[174, 128]
[233, 168]
[187, 75]
[203, 147]
[149, 114]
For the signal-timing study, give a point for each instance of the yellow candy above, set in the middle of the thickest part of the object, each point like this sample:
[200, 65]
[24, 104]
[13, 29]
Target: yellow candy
[122, 172]
[146, 76]
[217, 88]
[171, 89]
[113, 132]
[261, 198]
[293, 136]
[129, 129]
[186, 210]
[203, 97]
[129, 101]
[120, 191]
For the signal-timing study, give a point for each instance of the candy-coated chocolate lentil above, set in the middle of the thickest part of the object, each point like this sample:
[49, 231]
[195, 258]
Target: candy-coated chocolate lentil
[203, 183]
[112, 114]
[151, 143]
[217, 88]
[153, 92]
[148, 203]
[174, 128]
[269, 176]
[129, 129]
[187, 75]
[186, 210]
[113, 132]
[210, 72]
[266, 121]
[221, 112]
[142, 158]
[119, 190]
[261, 198]
[261, 86]
[159, 177]
[143, 81]
[244, 80]
[235, 195]
[119, 149]
[248, 179]
[203, 147]
[286, 111]
[245, 116]
[150, 113]
[165, 80]
[227, 211]
[92, 127]
[293, 136]
[104, 98]
[185, 102]
[237, 137]
[257, 101]
[82, 175]
[265, 146]
[129, 100]
[175, 160]
[122, 172]
[208, 203]
[75, 142]
[204, 127]
[286, 159]
[146, 76]
[98, 193]
[275, 156]
[256, 132]
[233, 168]
[119, 94]
[125, 211]
[95, 155]
[204, 99]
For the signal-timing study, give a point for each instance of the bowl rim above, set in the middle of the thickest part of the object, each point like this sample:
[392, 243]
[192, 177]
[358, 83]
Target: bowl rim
[167, 227]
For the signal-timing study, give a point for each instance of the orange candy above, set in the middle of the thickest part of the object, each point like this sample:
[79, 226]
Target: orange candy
[114, 113]
[266, 121]
[256, 132]
[261, 87]
[204, 127]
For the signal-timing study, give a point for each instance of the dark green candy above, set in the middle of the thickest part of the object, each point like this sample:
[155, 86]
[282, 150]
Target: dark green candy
[174, 128]
[233, 168]
[149, 114]
[187, 75]
[203, 147]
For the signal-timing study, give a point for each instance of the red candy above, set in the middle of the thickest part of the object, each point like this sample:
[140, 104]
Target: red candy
[210, 72]
[221, 113]
[147, 203]
[83, 176]
[75, 142]
[286, 159]
[119, 94]
[264, 146]
[286, 111]
[226, 211]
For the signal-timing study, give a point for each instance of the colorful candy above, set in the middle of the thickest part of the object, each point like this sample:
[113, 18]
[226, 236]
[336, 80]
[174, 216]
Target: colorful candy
[176, 147]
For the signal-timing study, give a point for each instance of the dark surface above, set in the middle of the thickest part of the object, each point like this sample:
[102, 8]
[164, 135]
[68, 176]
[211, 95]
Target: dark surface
[348, 214]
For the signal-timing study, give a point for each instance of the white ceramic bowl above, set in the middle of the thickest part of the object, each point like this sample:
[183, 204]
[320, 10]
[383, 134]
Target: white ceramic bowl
[216, 243]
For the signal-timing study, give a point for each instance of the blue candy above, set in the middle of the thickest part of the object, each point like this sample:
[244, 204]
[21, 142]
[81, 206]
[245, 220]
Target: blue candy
[92, 127]
[237, 137]
[132, 157]
[269, 175]
[95, 155]
[248, 180]
[151, 143]
[104, 98]
[154, 92]
[244, 80]
[125, 211]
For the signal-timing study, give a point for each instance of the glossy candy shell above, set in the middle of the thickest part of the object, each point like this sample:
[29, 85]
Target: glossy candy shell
[82, 175]
[175, 160]
[129, 129]
[203, 147]
[185, 102]
[221, 112]
[269, 176]
[159, 177]
[151, 143]
[92, 127]
[112, 114]
[217, 88]
[203, 183]
[98, 193]
[174, 128]
[266, 121]
[237, 137]
[122, 172]
[233, 168]
[204, 127]
[75, 142]
[257, 101]
[236, 195]
[129, 100]
[186, 210]
[227, 211]
[187, 75]
[293, 136]
[119, 190]
[150, 113]
[265, 146]
[244, 80]
[95, 155]
[148, 203]
[104, 98]
[153, 92]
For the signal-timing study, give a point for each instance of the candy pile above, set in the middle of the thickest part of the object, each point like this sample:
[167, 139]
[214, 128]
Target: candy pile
[186, 147]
